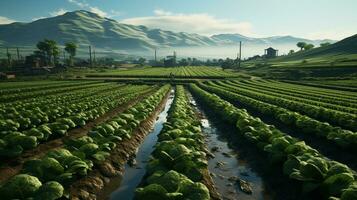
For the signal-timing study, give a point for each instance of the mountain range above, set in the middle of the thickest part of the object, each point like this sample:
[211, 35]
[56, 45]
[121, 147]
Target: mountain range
[86, 28]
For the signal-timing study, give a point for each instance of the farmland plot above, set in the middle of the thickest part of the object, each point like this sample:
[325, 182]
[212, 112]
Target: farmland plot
[218, 139]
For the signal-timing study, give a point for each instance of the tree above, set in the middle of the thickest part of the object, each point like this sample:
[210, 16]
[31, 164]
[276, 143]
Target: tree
[228, 63]
[43, 51]
[324, 44]
[309, 46]
[194, 62]
[291, 52]
[141, 61]
[71, 48]
[183, 62]
[301, 45]
[50, 50]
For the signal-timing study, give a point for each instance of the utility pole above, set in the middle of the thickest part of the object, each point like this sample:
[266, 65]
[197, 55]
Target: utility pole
[18, 53]
[155, 57]
[8, 56]
[174, 58]
[240, 53]
[90, 55]
[94, 60]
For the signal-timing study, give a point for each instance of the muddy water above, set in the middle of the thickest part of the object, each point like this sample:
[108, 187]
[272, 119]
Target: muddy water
[133, 175]
[227, 166]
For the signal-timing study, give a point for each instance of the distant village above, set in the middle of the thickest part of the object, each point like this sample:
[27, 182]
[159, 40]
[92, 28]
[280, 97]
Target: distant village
[49, 58]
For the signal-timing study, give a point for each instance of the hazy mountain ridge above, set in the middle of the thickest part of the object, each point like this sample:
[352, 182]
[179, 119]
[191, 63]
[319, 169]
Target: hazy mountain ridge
[87, 28]
[274, 40]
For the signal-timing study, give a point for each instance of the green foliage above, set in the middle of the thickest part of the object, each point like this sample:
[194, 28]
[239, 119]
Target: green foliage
[172, 185]
[21, 186]
[324, 44]
[300, 162]
[309, 46]
[50, 191]
[50, 50]
[301, 45]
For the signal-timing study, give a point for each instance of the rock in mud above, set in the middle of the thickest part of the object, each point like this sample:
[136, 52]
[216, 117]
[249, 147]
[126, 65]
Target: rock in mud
[233, 178]
[221, 176]
[214, 149]
[245, 186]
[132, 160]
[213, 174]
[219, 164]
[106, 180]
[228, 155]
[210, 155]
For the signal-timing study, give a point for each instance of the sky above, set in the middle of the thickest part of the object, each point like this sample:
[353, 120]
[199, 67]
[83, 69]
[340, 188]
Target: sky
[312, 19]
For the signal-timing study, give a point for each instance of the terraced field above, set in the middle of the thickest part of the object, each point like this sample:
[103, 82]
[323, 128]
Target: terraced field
[211, 139]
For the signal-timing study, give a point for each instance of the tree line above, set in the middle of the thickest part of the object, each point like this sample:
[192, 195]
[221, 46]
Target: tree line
[306, 46]
[48, 53]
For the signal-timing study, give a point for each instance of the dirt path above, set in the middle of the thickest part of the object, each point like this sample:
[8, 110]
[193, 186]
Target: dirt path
[15, 165]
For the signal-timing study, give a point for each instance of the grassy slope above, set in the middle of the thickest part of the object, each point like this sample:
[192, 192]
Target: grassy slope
[342, 53]
[337, 60]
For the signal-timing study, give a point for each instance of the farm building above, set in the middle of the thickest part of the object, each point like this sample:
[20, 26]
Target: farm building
[271, 52]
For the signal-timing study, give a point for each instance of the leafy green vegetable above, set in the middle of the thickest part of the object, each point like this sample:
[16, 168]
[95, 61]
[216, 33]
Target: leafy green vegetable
[335, 184]
[50, 191]
[89, 149]
[152, 191]
[21, 186]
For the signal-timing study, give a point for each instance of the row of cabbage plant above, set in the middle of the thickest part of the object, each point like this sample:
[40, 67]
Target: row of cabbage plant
[32, 113]
[316, 90]
[291, 96]
[19, 96]
[342, 119]
[13, 143]
[51, 176]
[327, 98]
[175, 170]
[342, 137]
[317, 174]
[40, 85]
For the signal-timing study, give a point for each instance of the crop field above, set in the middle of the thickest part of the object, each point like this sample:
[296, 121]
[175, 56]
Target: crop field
[228, 138]
[163, 72]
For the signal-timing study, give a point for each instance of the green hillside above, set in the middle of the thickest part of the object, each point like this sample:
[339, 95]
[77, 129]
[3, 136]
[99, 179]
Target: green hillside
[346, 48]
[336, 61]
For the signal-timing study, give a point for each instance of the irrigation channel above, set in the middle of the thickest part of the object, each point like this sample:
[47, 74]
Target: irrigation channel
[227, 168]
[134, 174]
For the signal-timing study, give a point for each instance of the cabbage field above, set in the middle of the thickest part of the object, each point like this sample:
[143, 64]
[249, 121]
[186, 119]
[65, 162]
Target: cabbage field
[225, 138]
